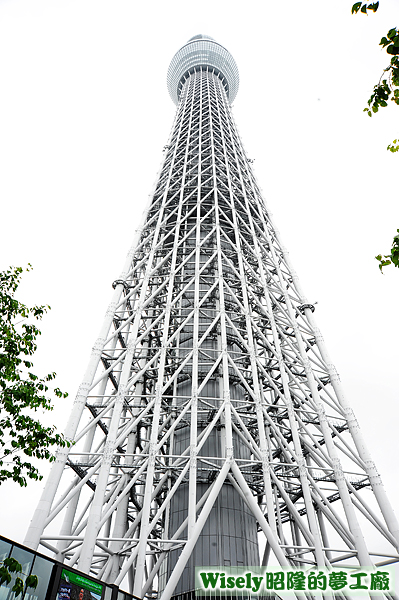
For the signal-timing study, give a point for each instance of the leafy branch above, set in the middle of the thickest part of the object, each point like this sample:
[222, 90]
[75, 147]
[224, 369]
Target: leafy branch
[392, 258]
[389, 85]
[22, 393]
[364, 7]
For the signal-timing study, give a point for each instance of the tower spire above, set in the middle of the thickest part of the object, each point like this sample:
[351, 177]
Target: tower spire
[210, 427]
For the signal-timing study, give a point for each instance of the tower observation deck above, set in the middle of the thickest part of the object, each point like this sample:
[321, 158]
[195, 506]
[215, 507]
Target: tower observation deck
[210, 427]
[202, 52]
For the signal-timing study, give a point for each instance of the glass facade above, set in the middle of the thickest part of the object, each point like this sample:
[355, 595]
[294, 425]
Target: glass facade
[55, 580]
[202, 51]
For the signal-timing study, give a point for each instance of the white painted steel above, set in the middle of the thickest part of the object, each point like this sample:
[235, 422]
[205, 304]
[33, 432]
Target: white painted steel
[210, 399]
[202, 51]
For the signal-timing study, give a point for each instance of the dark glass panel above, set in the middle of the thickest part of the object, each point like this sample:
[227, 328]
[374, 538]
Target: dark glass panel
[42, 568]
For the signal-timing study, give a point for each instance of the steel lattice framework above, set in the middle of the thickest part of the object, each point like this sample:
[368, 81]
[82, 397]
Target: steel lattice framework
[210, 415]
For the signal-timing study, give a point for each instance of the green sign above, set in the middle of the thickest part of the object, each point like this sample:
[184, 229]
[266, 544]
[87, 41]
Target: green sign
[82, 582]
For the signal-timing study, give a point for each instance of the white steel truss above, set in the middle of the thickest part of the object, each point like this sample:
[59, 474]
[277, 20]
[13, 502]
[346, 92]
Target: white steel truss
[210, 395]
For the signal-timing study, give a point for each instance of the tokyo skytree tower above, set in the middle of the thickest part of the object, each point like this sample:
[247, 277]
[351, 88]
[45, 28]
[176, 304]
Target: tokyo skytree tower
[210, 427]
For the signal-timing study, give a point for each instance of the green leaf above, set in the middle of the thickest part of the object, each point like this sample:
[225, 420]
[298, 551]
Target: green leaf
[392, 33]
[364, 9]
[355, 7]
[12, 565]
[18, 587]
[5, 576]
[32, 581]
[393, 49]
[374, 6]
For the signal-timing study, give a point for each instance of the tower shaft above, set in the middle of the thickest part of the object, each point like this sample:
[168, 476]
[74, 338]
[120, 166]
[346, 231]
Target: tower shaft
[210, 410]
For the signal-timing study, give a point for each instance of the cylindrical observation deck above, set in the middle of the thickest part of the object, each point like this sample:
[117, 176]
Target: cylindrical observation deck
[202, 51]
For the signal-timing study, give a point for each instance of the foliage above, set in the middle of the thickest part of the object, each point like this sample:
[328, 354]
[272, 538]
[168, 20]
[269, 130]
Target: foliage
[22, 393]
[387, 87]
[394, 147]
[389, 80]
[392, 258]
[364, 7]
[10, 565]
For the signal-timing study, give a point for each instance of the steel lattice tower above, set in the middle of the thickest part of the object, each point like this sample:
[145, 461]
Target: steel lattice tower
[210, 427]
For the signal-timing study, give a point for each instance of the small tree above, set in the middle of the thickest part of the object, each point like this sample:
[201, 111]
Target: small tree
[22, 393]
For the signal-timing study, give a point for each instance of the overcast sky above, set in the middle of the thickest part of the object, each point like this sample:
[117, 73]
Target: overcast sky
[84, 115]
